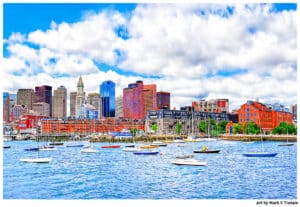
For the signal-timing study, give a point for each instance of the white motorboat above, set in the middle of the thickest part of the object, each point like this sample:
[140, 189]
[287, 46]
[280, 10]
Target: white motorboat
[48, 148]
[36, 160]
[88, 150]
[191, 162]
[131, 149]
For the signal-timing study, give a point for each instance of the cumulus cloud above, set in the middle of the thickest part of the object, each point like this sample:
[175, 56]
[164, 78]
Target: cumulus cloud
[197, 51]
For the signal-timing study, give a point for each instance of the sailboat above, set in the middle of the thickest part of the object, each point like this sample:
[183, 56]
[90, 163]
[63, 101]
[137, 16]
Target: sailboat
[260, 154]
[38, 159]
[287, 139]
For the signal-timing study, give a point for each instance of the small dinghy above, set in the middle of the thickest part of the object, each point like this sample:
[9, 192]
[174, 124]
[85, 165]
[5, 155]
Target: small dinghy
[56, 143]
[146, 153]
[32, 149]
[47, 148]
[204, 149]
[131, 149]
[88, 149]
[160, 144]
[36, 160]
[184, 156]
[6, 146]
[148, 147]
[261, 154]
[111, 146]
[74, 145]
[190, 162]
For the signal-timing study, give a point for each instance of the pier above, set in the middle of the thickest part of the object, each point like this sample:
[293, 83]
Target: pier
[258, 137]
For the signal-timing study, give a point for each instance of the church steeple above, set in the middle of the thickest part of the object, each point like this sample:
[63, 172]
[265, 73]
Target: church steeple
[80, 83]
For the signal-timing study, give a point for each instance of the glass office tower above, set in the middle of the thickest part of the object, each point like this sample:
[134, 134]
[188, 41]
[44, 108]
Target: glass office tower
[107, 93]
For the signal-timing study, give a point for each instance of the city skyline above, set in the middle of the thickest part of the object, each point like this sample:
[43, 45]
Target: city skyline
[194, 51]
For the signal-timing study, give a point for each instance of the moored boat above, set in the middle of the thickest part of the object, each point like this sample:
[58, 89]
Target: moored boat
[32, 149]
[6, 146]
[47, 148]
[88, 149]
[56, 143]
[146, 153]
[157, 143]
[131, 149]
[190, 162]
[148, 147]
[260, 154]
[36, 160]
[184, 156]
[207, 151]
[111, 146]
[74, 145]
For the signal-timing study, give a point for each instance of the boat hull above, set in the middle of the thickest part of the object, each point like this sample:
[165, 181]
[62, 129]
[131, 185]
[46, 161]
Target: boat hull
[75, 145]
[283, 145]
[184, 156]
[36, 160]
[111, 146]
[148, 147]
[6, 146]
[146, 153]
[88, 150]
[207, 151]
[32, 149]
[188, 162]
[56, 143]
[260, 154]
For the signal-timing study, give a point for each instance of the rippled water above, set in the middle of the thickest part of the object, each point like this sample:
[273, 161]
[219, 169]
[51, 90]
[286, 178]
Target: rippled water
[115, 174]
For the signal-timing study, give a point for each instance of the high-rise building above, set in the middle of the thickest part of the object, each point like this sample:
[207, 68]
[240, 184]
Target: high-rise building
[80, 99]
[119, 106]
[6, 106]
[25, 97]
[73, 104]
[17, 111]
[163, 100]
[107, 93]
[133, 101]
[149, 93]
[43, 94]
[95, 100]
[41, 109]
[59, 106]
[213, 105]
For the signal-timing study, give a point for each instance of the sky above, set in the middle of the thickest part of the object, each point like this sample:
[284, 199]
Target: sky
[195, 51]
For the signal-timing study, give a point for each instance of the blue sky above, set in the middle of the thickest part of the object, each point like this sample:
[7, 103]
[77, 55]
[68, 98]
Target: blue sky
[191, 50]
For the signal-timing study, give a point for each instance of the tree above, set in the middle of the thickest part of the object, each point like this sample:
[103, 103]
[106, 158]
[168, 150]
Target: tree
[237, 128]
[178, 128]
[251, 128]
[133, 131]
[221, 127]
[202, 126]
[154, 127]
[285, 128]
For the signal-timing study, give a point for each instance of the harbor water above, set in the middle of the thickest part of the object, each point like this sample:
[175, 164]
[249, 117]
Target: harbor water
[116, 174]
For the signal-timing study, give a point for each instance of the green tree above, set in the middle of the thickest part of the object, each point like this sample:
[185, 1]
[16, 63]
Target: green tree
[178, 128]
[285, 128]
[237, 128]
[154, 127]
[251, 128]
[221, 127]
[202, 126]
[133, 131]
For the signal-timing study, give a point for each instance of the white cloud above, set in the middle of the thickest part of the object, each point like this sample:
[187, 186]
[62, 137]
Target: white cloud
[187, 45]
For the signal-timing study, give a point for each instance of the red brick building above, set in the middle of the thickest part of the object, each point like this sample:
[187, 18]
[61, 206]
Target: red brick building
[59, 126]
[262, 115]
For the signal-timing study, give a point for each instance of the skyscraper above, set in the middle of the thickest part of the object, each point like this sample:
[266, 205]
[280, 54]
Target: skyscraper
[25, 97]
[119, 106]
[73, 104]
[43, 94]
[6, 106]
[149, 93]
[163, 100]
[95, 100]
[107, 93]
[59, 107]
[80, 99]
[133, 101]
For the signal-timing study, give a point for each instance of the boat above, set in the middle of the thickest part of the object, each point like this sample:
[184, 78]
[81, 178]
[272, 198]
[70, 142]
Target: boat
[181, 145]
[184, 156]
[207, 151]
[287, 144]
[178, 141]
[74, 145]
[262, 154]
[190, 162]
[88, 149]
[204, 149]
[6, 146]
[131, 149]
[157, 143]
[248, 142]
[47, 148]
[56, 143]
[130, 145]
[32, 149]
[36, 160]
[146, 153]
[148, 147]
[111, 146]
